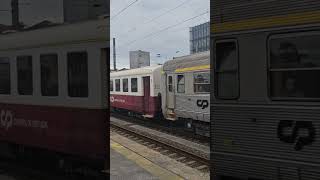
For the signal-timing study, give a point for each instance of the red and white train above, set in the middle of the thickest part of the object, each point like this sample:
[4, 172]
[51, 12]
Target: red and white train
[53, 93]
[137, 90]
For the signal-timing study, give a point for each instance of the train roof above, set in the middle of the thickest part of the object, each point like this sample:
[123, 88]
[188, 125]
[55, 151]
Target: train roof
[137, 71]
[87, 31]
[192, 62]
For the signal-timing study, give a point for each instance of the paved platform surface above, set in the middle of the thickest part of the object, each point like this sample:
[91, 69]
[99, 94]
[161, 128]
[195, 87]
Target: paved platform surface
[123, 168]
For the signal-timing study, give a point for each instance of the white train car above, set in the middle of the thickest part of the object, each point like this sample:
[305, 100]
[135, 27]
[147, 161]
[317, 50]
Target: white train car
[53, 91]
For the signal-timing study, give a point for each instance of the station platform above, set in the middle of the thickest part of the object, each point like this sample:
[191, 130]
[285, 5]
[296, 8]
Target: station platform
[126, 164]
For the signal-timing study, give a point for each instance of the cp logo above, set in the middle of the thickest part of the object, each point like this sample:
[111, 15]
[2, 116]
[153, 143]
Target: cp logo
[112, 99]
[294, 137]
[202, 103]
[6, 119]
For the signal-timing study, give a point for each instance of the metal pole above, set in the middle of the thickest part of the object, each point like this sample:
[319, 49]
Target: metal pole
[114, 54]
[15, 13]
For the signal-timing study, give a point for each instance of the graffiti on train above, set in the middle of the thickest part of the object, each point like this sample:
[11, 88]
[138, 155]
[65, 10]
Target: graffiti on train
[7, 120]
[203, 104]
[299, 133]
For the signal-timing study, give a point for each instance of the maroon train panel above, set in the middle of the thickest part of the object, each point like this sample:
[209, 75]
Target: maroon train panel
[73, 131]
[136, 104]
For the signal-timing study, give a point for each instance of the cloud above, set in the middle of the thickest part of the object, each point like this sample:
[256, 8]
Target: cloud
[134, 24]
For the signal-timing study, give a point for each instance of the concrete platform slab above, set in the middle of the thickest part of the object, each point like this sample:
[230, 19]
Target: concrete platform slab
[126, 164]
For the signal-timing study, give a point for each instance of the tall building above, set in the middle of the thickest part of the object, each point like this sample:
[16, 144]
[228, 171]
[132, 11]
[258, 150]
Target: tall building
[79, 10]
[139, 59]
[200, 38]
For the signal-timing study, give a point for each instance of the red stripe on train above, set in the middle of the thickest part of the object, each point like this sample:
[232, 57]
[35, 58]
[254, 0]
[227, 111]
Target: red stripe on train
[137, 104]
[68, 130]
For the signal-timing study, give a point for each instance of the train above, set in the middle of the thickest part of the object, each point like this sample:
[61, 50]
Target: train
[265, 121]
[177, 91]
[54, 95]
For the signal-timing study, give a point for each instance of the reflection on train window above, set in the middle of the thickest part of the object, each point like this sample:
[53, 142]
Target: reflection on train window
[78, 74]
[125, 85]
[111, 85]
[180, 84]
[5, 86]
[227, 70]
[49, 75]
[201, 82]
[117, 85]
[134, 84]
[295, 67]
[170, 83]
[25, 77]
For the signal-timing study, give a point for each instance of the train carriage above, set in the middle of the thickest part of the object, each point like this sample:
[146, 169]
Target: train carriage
[265, 121]
[136, 91]
[53, 92]
[186, 91]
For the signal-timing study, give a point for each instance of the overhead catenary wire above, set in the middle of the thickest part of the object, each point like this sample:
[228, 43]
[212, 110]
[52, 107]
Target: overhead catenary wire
[125, 8]
[164, 29]
[159, 16]
[170, 10]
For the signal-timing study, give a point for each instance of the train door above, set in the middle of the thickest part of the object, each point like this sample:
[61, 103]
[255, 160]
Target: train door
[146, 92]
[170, 92]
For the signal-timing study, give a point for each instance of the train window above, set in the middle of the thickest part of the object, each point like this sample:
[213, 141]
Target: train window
[170, 83]
[125, 85]
[117, 82]
[5, 85]
[227, 82]
[78, 74]
[201, 82]
[134, 84]
[25, 76]
[49, 75]
[295, 66]
[111, 84]
[180, 84]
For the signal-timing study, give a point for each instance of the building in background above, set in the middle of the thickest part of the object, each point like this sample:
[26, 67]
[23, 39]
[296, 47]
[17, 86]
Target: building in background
[200, 38]
[81, 10]
[139, 59]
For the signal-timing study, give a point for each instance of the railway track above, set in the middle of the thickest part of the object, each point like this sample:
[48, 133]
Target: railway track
[166, 128]
[175, 151]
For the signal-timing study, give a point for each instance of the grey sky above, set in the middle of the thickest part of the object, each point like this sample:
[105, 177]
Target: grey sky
[33, 11]
[134, 24]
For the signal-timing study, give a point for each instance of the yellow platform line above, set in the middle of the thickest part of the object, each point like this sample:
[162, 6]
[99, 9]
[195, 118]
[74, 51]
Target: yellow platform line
[144, 163]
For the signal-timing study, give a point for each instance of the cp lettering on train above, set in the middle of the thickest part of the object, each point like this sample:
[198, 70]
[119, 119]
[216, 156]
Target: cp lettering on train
[203, 103]
[295, 138]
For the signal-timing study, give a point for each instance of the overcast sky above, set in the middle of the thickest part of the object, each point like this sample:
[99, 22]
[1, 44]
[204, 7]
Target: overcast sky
[33, 11]
[138, 21]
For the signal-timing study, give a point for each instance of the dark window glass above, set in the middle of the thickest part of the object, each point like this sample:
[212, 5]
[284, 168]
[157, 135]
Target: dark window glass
[295, 67]
[227, 70]
[5, 82]
[170, 84]
[78, 74]
[25, 77]
[117, 81]
[49, 75]
[180, 84]
[125, 85]
[134, 84]
[111, 84]
[201, 82]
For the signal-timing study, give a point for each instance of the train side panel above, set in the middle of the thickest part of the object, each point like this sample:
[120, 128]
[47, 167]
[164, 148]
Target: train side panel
[255, 135]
